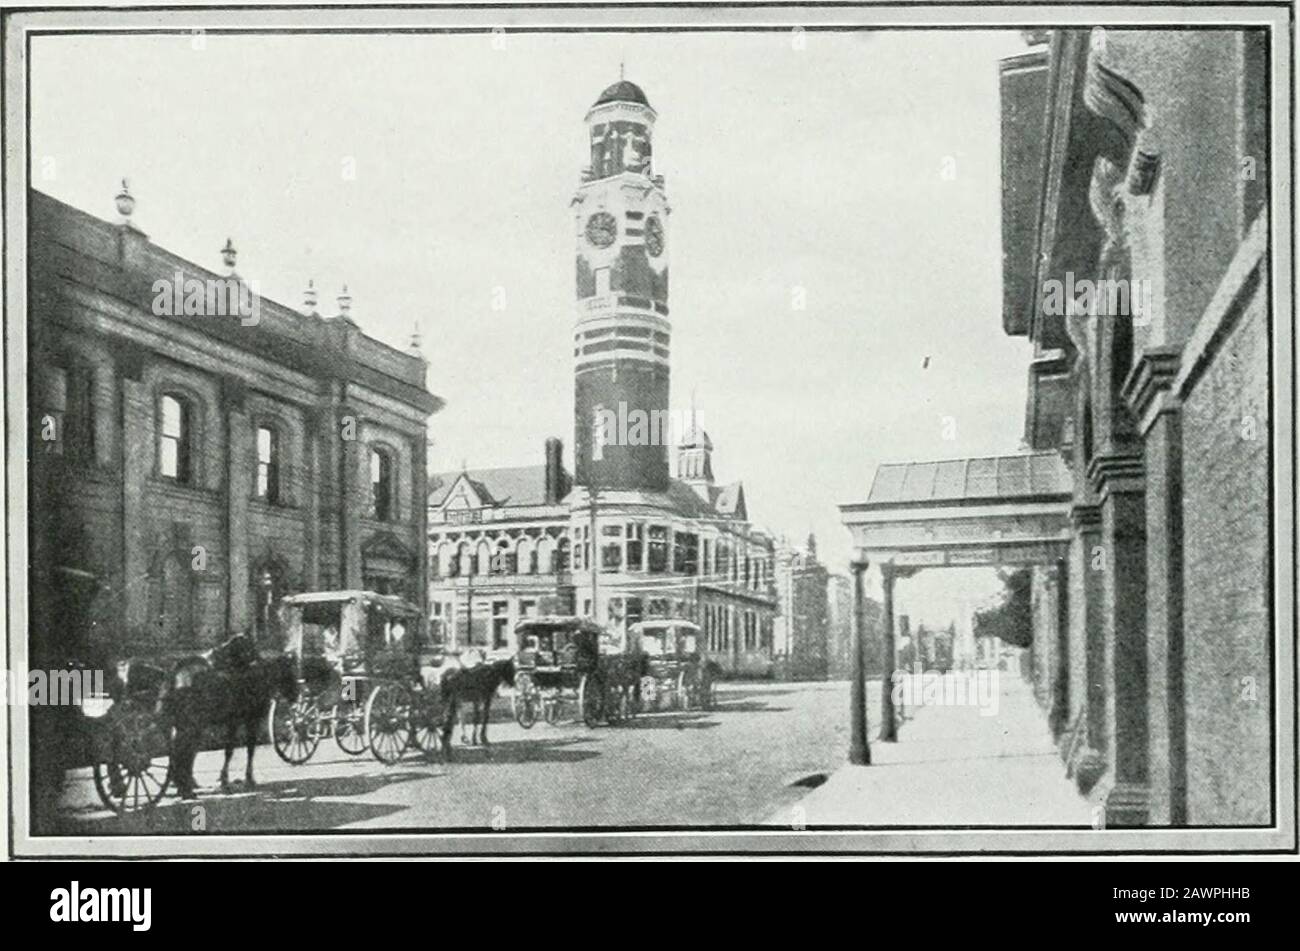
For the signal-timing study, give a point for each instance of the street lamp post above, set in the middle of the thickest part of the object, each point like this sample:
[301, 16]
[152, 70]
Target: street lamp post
[859, 746]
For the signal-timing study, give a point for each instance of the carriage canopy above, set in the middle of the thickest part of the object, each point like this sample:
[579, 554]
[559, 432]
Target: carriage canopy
[348, 623]
[670, 636]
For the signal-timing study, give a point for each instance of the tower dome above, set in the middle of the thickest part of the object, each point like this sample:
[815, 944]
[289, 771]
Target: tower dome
[623, 91]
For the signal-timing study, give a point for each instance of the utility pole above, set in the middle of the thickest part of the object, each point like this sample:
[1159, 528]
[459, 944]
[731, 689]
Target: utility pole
[594, 553]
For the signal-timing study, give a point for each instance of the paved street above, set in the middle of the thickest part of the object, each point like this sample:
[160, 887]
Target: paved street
[737, 765]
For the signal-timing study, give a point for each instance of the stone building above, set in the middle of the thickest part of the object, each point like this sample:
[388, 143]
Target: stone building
[839, 610]
[1135, 166]
[510, 543]
[622, 540]
[803, 621]
[196, 462]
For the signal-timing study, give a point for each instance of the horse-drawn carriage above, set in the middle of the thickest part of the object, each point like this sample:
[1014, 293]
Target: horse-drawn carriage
[571, 660]
[130, 739]
[146, 727]
[362, 664]
[677, 673]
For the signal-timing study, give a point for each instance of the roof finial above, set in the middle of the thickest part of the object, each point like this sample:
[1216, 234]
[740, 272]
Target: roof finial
[125, 202]
[621, 77]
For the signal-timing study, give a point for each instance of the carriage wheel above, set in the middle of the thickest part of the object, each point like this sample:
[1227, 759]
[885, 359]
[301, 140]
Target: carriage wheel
[525, 700]
[615, 704]
[350, 726]
[591, 700]
[135, 767]
[388, 722]
[426, 723]
[295, 728]
[708, 693]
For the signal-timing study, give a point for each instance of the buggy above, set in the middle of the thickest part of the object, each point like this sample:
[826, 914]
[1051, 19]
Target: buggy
[677, 674]
[570, 660]
[365, 675]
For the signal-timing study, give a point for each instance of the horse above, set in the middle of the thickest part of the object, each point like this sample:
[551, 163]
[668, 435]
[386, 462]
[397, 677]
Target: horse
[478, 685]
[225, 696]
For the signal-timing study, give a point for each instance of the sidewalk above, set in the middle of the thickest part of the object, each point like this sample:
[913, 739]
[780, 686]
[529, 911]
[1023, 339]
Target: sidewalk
[953, 766]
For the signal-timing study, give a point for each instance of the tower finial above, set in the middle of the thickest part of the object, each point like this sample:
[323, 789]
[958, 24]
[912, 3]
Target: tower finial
[621, 77]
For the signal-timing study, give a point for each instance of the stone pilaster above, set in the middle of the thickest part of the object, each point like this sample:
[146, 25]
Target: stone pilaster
[1118, 479]
[239, 446]
[137, 469]
[1148, 392]
[1087, 638]
[312, 490]
[353, 496]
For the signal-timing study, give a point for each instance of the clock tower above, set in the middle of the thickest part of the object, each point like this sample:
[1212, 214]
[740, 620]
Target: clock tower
[621, 332]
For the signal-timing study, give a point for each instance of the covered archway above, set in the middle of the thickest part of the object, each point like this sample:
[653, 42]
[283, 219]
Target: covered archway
[996, 510]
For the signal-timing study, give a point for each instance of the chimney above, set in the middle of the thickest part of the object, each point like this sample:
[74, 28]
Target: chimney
[555, 487]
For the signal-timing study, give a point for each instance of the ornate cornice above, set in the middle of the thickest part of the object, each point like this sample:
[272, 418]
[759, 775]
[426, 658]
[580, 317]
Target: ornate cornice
[1117, 471]
[1084, 517]
[1148, 388]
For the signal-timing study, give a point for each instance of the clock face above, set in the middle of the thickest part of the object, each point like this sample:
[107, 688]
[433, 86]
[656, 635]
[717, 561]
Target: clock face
[654, 236]
[602, 228]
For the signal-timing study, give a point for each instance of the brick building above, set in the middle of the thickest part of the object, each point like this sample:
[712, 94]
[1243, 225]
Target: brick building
[1140, 159]
[193, 469]
[511, 543]
[622, 539]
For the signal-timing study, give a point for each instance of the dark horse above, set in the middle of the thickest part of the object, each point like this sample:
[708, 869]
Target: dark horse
[477, 686]
[232, 688]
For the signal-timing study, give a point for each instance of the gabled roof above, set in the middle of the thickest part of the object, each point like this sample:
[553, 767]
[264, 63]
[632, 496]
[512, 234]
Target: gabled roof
[517, 485]
[990, 477]
[731, 500]
[727, 501]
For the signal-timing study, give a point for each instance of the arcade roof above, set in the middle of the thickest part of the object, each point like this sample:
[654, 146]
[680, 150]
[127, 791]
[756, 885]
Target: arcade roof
[990, 477]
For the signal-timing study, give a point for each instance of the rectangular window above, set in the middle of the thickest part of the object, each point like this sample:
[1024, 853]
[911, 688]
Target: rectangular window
[381, 485]
[80, 418]
[611, 548]
[174, 439]
[54, 408]
[658, 552]
[602, 281]
[635, 545]
[500, 623]
[268, 464]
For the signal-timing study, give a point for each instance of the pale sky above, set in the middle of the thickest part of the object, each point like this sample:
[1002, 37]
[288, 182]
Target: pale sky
[429, 171]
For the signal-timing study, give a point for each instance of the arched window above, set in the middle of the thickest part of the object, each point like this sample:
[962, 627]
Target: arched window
[268, 464]
[526, 556]
[175, 438]
[381, 485]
